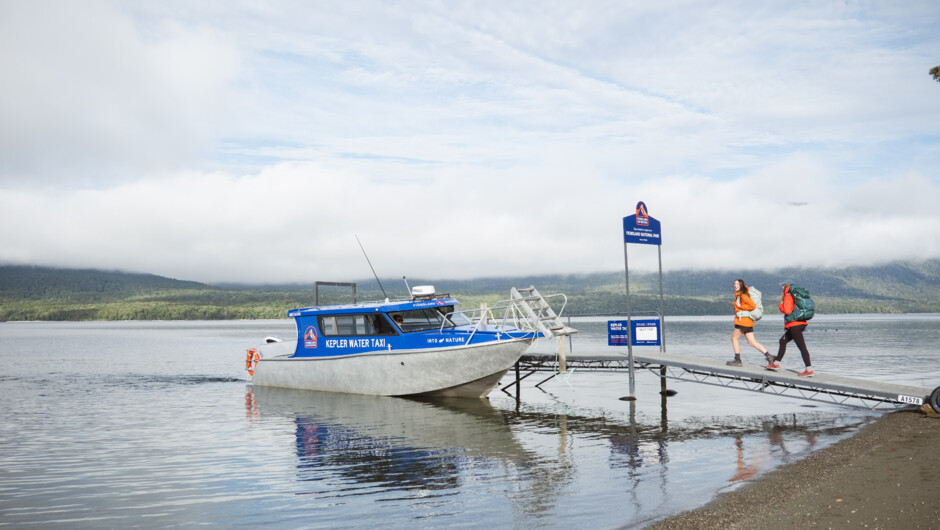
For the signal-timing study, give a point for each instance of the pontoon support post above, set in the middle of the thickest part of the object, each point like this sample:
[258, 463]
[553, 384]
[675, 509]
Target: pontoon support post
[630, 364]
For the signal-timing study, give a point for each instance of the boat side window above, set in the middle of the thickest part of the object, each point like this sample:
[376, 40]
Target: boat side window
[457, 317]
[382, 325]
[328, 326]
[355, 325]
[423, 320]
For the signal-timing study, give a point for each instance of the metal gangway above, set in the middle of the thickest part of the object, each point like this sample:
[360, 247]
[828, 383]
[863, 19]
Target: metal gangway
[827, 388]
[527, 309]
[539, 313]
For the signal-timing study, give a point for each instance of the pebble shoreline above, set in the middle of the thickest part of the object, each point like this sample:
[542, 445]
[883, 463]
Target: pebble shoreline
[885, 476]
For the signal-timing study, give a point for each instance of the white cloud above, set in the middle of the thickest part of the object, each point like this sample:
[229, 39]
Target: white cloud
[252, 142]
[299, 222]
[85, 98]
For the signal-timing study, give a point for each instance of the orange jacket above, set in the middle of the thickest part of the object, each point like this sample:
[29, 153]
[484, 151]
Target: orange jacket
[743, 302]
[787, 305]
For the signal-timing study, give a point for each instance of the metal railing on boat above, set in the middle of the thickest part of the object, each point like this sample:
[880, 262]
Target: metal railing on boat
[525, 309]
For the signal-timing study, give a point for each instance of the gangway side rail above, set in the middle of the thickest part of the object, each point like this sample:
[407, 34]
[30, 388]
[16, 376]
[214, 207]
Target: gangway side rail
[857, 399]
[826, 388]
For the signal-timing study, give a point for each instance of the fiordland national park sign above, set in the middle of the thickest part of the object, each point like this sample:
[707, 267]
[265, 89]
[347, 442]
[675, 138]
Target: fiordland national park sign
[645, 230]
[641, 228]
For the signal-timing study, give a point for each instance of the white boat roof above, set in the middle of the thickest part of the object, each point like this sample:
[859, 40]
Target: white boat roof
[384, 306]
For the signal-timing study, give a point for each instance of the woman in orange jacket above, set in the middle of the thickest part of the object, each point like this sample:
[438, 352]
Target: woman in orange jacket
[792, 330]
[744, 325]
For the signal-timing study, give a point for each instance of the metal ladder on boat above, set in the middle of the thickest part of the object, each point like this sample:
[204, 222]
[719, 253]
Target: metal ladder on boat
[539, 313]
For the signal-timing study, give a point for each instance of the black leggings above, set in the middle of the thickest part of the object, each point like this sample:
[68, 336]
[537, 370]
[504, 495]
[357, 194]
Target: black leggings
[796, 335]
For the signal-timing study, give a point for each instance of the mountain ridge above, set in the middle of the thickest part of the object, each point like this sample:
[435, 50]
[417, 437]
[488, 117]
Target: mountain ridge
[48, 293]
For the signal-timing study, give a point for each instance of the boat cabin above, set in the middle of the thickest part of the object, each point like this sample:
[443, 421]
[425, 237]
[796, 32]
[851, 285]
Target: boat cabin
[422, 322]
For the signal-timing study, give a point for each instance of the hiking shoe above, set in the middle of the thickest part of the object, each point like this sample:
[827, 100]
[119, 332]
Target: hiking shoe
[770, 358]
[773, 366]
[735, 362]
[806, 373]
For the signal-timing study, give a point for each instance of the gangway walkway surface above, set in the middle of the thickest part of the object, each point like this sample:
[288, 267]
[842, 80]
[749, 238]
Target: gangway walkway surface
[840, 390]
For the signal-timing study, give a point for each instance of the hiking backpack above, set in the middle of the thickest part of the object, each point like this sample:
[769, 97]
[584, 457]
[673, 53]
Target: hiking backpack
[803, 306]
[758, 312]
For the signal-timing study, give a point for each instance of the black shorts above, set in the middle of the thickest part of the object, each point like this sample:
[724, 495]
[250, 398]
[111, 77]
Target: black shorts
[744, 329]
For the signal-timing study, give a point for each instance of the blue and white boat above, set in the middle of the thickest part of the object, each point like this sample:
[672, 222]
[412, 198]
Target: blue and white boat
[419, 346]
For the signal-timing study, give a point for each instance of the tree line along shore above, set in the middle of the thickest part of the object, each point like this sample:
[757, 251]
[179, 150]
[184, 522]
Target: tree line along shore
[39, 293]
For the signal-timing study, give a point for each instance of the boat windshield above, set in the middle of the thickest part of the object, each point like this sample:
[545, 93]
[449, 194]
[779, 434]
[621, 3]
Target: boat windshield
[430, 319]
[458, 318]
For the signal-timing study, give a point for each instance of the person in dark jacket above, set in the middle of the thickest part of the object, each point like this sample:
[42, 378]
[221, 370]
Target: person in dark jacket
[792, 330]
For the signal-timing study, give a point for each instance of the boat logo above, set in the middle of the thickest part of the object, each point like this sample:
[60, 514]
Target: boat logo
[310, 337]
[429, 303]
[446, 340]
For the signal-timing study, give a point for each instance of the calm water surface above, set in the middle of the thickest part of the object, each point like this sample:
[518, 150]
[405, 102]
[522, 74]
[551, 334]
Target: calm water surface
[155, 424]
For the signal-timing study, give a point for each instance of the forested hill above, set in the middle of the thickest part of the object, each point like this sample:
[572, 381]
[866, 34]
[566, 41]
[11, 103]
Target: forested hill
[39, 283]
[37, 293]
[900, 287]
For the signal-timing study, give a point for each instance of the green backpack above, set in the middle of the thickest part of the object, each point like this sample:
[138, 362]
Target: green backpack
[803, 306]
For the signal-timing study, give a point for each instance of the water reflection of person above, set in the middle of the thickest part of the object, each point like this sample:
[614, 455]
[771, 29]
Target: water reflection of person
[776, 449]
[744, 471]
[776, 440]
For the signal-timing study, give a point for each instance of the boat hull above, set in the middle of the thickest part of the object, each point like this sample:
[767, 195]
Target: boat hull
[465, 371]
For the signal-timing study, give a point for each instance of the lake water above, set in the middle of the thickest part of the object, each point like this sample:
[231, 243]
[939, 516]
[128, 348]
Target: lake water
[155, 424]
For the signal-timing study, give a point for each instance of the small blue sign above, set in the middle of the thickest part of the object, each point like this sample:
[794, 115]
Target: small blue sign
[617, 333]
[645, 332]
[641, 228]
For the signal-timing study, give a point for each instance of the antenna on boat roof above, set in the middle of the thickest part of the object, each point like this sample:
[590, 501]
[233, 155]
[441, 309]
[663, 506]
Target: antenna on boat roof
[371, 267]
[407, 288]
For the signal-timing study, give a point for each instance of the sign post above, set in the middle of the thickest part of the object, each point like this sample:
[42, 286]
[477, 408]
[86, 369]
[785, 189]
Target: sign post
[641, 229]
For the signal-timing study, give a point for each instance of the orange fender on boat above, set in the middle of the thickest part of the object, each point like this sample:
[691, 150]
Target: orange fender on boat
[251, 361]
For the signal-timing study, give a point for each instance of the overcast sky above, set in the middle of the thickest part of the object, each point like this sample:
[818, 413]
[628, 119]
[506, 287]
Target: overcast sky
[253, 141]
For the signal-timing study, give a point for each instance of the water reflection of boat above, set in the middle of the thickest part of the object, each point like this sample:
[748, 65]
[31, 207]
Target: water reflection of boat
[393, 441]
[421, 346]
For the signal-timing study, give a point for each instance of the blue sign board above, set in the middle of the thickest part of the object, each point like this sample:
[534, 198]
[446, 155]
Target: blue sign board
[645, 332]
[641, 228]
[617, 333]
